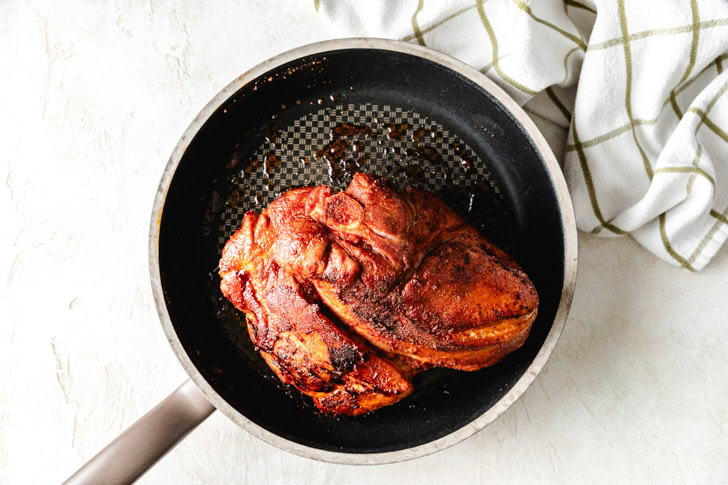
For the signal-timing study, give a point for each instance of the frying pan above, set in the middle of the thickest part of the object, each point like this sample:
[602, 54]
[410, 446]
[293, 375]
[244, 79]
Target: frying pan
[315, 115]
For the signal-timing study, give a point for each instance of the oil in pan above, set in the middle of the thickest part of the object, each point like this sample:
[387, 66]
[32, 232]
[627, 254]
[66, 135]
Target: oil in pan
[329, 145]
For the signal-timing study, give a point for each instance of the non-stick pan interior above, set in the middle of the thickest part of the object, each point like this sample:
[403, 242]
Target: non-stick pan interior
[318, 120]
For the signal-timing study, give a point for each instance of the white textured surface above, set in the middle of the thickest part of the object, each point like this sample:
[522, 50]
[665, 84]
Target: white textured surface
[92, 100]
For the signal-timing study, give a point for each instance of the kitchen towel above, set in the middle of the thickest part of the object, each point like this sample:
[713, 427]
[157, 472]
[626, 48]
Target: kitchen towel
[640, 85]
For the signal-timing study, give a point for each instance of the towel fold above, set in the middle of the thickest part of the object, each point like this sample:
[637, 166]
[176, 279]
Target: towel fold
[640, 85]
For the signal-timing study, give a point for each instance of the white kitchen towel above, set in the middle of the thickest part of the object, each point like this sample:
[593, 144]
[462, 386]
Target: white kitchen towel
[640, 85]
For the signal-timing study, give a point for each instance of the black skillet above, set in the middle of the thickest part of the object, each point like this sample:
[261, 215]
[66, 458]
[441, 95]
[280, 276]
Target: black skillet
[316, 115]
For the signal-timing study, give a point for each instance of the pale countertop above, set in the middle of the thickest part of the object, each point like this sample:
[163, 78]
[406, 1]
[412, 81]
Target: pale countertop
[94, 96]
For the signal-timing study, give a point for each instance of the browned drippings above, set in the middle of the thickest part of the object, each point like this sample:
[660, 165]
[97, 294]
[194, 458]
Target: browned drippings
[254, 164]
[418, 135]
[334, 169]
[335, 151]
[397, 131]
[344, 156]
[426, 153]
[349, 129]
[414, 172]
[352, 166]
[336, 148]
[270, 163]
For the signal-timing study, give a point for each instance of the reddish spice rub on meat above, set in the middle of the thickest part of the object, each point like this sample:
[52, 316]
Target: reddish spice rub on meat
[348, 295]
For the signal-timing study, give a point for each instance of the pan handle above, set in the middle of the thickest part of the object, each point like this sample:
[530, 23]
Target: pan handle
[147, 440]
